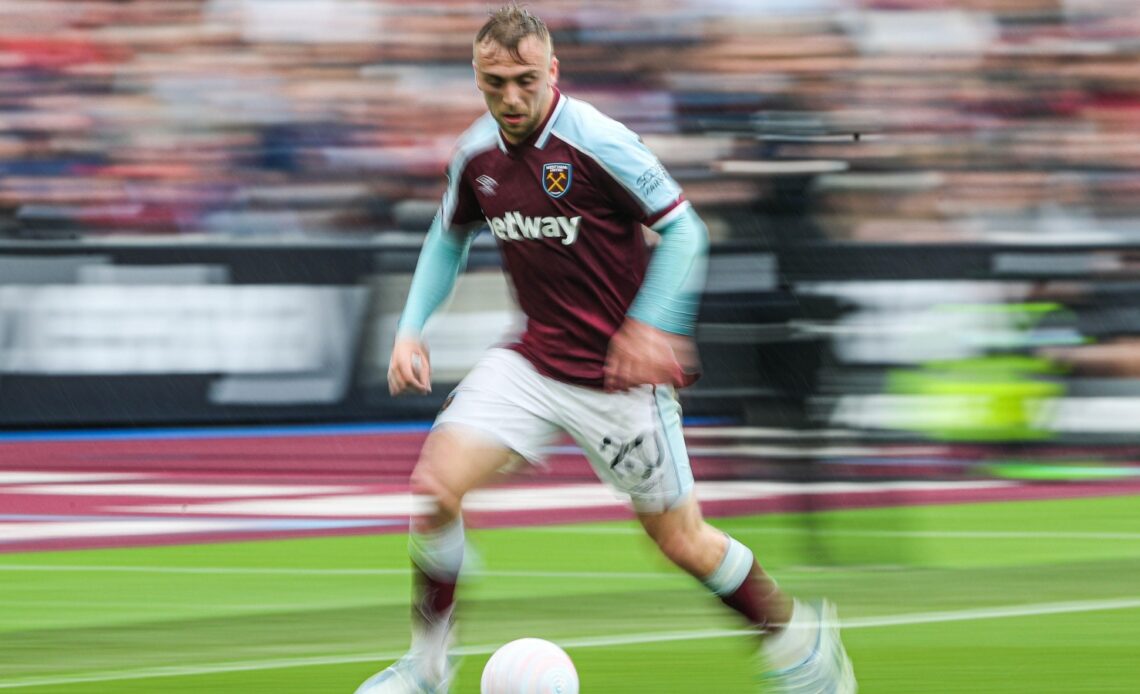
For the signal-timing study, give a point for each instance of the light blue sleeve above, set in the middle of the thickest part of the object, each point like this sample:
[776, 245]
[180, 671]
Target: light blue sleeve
[442, 257]
[622, 154]
[670, 295]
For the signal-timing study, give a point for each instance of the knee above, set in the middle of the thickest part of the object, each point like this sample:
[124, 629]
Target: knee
[434, 496]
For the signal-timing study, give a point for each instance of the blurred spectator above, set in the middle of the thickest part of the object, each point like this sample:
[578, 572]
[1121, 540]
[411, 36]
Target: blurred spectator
[902, 121]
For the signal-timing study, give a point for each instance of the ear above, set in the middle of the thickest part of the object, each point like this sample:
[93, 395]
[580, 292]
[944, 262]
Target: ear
[553, 70]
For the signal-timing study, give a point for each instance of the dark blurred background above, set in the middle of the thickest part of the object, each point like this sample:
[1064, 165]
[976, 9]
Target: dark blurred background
[924, 213]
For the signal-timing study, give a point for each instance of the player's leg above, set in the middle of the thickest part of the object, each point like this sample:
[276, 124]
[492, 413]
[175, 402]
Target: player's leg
[723, 564]
[487, 424]
[453, 461]
[800, 646]
[635, 443]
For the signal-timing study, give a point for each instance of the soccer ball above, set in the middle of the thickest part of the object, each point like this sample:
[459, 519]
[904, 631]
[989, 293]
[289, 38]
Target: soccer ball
[529, 666]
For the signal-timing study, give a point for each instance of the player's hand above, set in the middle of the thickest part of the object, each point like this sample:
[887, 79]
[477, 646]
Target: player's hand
[410, 368]
[640, 354]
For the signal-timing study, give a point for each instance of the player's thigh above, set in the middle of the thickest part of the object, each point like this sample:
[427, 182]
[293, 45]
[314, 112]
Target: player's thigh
[455, 460]
[682, 519]
[635, 443]
[496, 415]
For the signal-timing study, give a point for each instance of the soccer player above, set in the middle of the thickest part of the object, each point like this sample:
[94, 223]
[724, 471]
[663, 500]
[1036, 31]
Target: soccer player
[566, 190]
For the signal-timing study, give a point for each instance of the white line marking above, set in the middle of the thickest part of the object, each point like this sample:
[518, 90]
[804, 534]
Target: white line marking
[957, 534]
[218, 570]
[795, 452]
[561, 496]
[24, 532]
[700, 432]
[179, 490]
[1001, 612]
[33, 477]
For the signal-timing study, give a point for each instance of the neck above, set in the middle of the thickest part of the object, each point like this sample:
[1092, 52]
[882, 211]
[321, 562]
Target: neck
[546, 108]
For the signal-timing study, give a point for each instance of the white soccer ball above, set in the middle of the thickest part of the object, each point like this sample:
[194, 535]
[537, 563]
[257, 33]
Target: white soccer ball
[529, 666]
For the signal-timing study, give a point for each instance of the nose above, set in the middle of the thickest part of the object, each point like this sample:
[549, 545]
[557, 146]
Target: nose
[512, 94]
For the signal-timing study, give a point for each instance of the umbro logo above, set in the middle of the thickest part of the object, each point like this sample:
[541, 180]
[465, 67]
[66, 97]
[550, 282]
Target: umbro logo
[487, 185]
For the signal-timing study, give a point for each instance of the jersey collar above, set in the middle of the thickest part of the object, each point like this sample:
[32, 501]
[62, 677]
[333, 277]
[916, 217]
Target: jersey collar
[541, 134]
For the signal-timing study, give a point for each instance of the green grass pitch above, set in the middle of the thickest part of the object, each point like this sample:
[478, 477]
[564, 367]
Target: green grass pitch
[1028, 597]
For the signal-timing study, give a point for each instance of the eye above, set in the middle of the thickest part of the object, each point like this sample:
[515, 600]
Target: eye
[494, 81]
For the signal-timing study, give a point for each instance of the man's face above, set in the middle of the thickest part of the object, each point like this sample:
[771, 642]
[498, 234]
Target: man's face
[517, 93]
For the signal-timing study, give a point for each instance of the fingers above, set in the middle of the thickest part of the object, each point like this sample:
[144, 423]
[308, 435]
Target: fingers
[406, 378]
[621, 361]
[421, 372]
[684, 379]
[409, 369]
[619, 370]
[624, 370]
[397, 384]
[615, 373]
[640, 355]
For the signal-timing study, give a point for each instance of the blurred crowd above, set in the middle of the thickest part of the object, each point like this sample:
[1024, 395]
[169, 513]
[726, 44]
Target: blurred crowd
[784, 120]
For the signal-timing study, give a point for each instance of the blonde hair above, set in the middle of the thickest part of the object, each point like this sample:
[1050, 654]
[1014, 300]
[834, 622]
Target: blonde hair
[509, 25]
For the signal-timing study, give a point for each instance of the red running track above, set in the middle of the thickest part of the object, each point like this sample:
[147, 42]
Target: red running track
[100, 492]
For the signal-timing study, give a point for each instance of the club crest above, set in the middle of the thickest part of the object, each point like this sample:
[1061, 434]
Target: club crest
[556, 179]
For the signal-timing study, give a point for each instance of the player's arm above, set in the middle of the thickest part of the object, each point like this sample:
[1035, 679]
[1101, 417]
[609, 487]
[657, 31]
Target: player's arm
[654, 344]
[670, 294]
[442, 257]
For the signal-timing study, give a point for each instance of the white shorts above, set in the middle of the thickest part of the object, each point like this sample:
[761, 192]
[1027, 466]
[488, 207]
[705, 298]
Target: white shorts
[633, 439]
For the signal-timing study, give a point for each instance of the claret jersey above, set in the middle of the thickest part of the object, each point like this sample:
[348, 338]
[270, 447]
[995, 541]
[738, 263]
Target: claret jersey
[566, 208]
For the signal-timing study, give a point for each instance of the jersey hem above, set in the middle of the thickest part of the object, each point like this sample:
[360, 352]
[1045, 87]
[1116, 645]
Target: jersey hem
[591, 383]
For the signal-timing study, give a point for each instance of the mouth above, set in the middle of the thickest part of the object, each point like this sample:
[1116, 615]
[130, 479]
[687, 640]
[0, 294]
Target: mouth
[513, 118]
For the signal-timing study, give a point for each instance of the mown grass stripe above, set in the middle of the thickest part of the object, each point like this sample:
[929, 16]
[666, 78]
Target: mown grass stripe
[998, 612]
